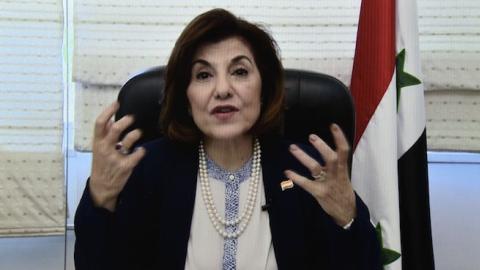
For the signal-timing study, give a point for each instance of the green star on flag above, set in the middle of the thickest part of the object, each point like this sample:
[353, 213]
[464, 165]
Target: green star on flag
[404, 79]
[387, 255]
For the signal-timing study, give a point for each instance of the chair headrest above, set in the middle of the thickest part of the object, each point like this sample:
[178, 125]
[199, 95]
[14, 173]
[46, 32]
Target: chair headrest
[313, 102]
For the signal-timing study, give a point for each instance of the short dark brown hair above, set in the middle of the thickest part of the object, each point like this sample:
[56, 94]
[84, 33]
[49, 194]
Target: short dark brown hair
[214, 26]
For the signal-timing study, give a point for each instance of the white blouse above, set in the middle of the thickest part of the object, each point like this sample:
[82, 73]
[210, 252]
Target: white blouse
[205, 245]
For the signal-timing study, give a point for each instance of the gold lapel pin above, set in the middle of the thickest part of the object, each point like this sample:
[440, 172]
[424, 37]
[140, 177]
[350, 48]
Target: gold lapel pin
[286, 184]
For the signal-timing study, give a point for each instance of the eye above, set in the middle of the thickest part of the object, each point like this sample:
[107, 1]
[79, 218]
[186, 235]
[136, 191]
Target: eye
[203, 75]
[240, 72]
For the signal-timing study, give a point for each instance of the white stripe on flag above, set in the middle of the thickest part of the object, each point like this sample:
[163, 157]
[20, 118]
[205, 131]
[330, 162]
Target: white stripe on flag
[374, 170]
[411, 110]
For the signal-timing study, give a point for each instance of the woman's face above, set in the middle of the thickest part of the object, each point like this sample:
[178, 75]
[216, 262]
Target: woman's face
[224, 90]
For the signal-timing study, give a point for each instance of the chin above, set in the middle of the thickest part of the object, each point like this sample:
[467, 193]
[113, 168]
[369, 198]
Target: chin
[227, 133]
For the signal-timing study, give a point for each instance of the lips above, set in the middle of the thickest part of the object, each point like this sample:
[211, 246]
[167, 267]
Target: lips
[224, 109]
[224, 113]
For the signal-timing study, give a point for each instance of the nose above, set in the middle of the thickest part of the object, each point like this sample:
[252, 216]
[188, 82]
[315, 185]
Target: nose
[223, 87]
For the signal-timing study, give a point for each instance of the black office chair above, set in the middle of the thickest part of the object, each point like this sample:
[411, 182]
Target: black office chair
[313, 102]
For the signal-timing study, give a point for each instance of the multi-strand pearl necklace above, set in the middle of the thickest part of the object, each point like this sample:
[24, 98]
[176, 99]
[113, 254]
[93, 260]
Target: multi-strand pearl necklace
[242, 220]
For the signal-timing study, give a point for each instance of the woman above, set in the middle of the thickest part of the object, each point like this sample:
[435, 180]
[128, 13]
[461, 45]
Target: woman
[221, 190]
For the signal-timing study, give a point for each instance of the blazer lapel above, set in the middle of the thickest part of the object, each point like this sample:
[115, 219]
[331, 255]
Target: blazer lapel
[178, 199]
[286, 220]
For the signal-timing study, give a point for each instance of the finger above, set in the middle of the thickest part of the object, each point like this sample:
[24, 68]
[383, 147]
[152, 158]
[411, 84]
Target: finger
[130, 139]
[343, 148]
[312, 165]
[118, 127]
[327, 153]
[305, 183]
[135, 157]
[109, 125]
[104, 118]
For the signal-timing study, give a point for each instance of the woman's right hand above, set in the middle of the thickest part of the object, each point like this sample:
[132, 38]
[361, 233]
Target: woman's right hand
[110, 167]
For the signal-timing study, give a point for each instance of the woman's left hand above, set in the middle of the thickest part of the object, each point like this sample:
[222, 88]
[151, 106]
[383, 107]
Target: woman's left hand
[331, 186]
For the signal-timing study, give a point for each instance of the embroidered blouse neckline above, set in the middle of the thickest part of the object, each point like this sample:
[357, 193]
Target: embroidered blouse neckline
[218, 173]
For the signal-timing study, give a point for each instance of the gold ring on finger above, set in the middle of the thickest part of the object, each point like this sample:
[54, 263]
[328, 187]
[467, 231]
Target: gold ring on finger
[322, 176]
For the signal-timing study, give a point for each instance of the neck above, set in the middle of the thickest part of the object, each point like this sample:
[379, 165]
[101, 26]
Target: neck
[229, 154]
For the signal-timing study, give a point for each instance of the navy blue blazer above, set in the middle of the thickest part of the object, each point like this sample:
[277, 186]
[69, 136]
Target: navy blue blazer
[151, 225]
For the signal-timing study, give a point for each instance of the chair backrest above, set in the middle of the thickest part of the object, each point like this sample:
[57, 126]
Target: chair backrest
[313, 102]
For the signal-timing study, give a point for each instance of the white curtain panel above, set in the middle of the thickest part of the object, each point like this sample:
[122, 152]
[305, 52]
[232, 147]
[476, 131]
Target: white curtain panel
[116, 39]
[32, 200]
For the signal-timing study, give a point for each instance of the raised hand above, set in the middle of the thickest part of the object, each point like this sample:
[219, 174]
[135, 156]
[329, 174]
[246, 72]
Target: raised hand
[331, 185]
[112, 162]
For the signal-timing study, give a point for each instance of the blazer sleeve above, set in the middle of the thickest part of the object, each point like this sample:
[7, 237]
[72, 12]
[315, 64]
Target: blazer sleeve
[356, 248]
[92, 234]
[113, 240]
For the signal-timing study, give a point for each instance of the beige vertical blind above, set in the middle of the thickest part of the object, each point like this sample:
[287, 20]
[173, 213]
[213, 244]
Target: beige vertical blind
[31, 110]
[116, 39]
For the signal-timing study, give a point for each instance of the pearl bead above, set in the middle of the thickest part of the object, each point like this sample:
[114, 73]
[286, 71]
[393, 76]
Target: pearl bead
[246, 215]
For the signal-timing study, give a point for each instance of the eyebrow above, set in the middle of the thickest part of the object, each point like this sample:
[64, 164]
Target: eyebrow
[235, 60]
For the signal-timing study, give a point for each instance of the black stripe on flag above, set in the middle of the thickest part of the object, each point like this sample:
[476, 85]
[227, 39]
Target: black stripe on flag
[415, 225]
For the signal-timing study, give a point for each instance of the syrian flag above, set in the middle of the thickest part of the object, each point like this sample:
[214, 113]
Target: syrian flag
[389, 168]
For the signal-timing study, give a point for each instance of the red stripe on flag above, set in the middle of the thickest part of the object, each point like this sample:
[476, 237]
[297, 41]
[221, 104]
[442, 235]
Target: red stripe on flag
[374, 60]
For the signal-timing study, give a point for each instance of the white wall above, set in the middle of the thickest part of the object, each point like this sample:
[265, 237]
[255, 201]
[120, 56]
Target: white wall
[78, 170]
[455, 210]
